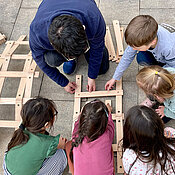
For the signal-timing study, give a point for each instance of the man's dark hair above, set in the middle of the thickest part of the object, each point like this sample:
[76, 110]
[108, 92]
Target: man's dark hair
[67, 36]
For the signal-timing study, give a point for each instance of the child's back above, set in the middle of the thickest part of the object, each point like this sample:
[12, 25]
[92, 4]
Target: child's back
[31, 145]
[94, 155]
[146, 149]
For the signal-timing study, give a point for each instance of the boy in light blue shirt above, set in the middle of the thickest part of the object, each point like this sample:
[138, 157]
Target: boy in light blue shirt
[153, 44]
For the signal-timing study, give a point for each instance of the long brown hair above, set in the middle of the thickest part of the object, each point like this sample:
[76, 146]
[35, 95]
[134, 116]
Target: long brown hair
[156, 80]
[141, 30]
[35, 114]
[92, 123]
[144, 134]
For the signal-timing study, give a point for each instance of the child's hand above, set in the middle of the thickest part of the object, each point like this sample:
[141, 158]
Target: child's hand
[62, 143]
[160, 111]
[110, 84]
[109, 107]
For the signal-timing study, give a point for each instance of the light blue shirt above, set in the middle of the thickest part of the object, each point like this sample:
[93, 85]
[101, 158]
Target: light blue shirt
[169, 103]
[164, 52]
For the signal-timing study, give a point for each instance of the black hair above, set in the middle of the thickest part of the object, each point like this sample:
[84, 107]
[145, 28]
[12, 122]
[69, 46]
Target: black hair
[144, 134]
[67, 35]
[92, 123]
[35, 114]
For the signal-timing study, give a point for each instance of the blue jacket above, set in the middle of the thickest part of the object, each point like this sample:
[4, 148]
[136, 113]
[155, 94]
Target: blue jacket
[89, 15]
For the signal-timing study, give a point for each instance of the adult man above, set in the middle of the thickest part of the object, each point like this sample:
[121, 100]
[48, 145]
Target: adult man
[62, 31]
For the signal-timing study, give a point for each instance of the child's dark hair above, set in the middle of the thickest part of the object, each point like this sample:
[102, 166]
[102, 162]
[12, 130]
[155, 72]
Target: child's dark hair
[35, 114]
[67, 35]
[92, 123]
[141, 30]
[144, 134]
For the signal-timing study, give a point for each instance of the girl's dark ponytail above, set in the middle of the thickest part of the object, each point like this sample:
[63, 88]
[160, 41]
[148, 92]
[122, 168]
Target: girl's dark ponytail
[19, 137]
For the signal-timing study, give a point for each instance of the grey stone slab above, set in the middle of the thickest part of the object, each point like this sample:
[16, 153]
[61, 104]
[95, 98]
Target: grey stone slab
[5, 137]
[129, 96]
[22, 24]
[63, 123]
[131, 72]
[123, 11]
[157, 4]
[161, 15]
[30, 4]
[9, 10]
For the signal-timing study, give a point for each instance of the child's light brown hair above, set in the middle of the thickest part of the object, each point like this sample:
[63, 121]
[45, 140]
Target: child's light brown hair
[141, 30]
[155, 80]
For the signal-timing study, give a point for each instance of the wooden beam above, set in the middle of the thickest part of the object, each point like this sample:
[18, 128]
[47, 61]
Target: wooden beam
[119, 133]
[9, 123]
[118, 37]
[109, 44]
[98, 93]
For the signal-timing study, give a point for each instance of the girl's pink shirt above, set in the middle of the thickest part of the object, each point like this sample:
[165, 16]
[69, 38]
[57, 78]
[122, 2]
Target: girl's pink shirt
[95, 157]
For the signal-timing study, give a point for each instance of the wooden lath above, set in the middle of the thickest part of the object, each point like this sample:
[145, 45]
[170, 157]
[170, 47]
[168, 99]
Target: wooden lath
[117, 117]
[115, 55]
[2, 38]
[25, 85]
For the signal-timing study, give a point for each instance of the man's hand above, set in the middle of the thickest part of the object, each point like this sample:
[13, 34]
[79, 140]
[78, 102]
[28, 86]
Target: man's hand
[160, 111]
[71, 86]
[110, 84]
[62, 143]
[91, 85]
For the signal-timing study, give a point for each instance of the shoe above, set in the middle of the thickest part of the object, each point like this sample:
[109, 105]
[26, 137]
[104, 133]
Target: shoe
[147, 103]
[69, 67]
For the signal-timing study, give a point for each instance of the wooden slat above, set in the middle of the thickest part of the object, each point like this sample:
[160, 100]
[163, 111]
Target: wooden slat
[29, 82]
[117, 53]
[119, 98]
[118, 37]
[11, 100]
[119, 133]
[109, 44]
[20, 42]
[9, 123]
[98, 93]
[15, 45]
[13, 74]
[17, 56]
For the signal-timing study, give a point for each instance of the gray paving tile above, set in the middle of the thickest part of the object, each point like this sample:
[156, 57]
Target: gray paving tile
[157, 4]
[131, 72]
[9, 10]
[63, 123]
[30, 4]
[129, 96]
[5, 136]
[123, 11]
[161, 15]
[22, 24]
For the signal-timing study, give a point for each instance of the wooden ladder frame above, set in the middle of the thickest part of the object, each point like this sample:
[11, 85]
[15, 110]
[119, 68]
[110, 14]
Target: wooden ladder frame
[25, 85]
[118, 116]
[119, 33]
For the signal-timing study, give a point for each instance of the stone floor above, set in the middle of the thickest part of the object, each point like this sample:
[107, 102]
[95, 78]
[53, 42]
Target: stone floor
[15, 19]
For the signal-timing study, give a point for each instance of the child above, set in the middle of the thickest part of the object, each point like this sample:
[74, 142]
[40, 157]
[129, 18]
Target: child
[159, 83]
[32, 150]
[92, 140]
[154, 44]
[146, 150]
